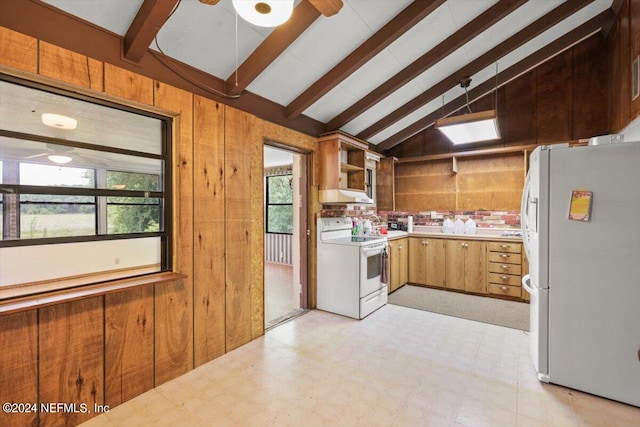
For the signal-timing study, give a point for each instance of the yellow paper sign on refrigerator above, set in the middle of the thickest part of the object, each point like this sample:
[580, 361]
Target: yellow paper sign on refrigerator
[580, 207]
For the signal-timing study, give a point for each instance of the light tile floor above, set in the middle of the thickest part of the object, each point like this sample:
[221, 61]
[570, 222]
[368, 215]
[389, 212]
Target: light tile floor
[278, 293]
[397, 367]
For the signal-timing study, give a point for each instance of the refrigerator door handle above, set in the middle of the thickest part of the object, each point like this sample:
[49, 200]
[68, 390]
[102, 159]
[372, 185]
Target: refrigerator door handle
[526, 280]
[524, 214]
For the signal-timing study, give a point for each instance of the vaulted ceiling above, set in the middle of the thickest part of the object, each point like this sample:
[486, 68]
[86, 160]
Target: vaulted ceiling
[382, 70]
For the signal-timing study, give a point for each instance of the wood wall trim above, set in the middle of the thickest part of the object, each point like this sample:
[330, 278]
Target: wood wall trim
[66, 295]
[56, 83]
[470, 153]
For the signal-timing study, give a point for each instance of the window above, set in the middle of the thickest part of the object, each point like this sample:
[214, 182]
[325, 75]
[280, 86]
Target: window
[279, 204]
[84, 186]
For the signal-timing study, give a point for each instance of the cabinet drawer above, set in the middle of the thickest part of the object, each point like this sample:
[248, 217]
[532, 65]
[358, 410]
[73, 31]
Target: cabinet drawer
[499, 267]
[515, 248]
[504, 279]
[505, 258]
[512, 291]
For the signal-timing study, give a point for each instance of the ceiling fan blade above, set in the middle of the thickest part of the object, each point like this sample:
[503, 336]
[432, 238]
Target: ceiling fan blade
[37, 155]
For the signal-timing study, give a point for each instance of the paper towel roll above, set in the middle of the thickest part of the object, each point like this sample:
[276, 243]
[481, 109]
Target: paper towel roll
[410, 224]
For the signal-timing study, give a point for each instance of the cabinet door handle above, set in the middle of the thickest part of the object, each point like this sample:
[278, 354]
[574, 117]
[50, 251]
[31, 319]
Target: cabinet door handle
[399, 247]
[504, 288]
[504, 256]
[426, 242]
[505, 246]
[504, 267]
[504, 277]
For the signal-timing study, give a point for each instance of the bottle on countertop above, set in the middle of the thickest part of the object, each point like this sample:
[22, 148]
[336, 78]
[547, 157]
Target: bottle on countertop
[368, 228]
[447, 226]
[358, 227]
[458, 226]
[470, 227]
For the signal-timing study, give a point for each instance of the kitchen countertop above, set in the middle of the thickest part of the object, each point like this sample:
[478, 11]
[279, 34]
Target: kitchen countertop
[435, 232]
[396, 234]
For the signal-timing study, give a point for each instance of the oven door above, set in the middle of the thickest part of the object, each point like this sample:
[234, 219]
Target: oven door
[370, 269]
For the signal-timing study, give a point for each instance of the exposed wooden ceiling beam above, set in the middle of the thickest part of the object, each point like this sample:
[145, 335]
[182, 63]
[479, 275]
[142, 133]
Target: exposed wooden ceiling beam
[538, 27]
[420, 65]
[616, 6]
[304, 14]
[145, 26]
[327, 7]
[549, 51]
[395, 28]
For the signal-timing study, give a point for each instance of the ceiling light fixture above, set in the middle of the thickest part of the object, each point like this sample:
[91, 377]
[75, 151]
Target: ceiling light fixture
[59, 121]
[59, 159]
[264, 13]
[471, 127]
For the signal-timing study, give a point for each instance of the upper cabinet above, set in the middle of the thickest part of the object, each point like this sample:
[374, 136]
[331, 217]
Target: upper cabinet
[385, 184]
[343, 173]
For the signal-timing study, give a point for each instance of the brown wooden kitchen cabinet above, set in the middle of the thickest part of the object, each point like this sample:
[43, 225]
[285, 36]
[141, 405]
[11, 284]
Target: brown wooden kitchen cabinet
[505, 269]
[341, 163]
[385, 184]
[466, 268]
[427, 261]
[399, 263]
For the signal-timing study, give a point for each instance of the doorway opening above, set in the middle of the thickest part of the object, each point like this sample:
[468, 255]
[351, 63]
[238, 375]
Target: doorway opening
[285, 239]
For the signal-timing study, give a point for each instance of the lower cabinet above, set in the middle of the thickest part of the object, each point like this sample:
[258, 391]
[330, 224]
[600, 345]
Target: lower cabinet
[427, 261]
[466, 266]
[505, 269]
[473, 266]
[399, 263]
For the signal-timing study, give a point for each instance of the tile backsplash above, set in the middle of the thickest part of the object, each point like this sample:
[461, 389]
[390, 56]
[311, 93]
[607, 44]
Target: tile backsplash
[483, 219]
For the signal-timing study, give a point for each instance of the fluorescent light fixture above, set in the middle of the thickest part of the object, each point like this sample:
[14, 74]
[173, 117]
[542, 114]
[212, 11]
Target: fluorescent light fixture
[59, 159]
[59, 121]
[265, 13]
[472, 127]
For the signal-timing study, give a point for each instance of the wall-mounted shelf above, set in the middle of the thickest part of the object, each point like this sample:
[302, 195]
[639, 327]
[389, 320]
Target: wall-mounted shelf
[346, 167]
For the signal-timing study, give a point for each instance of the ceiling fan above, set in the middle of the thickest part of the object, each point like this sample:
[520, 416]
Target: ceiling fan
[271, 13]
[61, 155]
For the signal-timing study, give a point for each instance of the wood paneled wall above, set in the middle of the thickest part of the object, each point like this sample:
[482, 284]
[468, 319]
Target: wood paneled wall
[110, 348]
[479, 183]
[623, 46]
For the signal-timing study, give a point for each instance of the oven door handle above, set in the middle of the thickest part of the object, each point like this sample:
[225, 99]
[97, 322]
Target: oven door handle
[372, 251]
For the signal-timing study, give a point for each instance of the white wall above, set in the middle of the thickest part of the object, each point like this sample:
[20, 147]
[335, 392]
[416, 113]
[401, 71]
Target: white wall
[24, 264]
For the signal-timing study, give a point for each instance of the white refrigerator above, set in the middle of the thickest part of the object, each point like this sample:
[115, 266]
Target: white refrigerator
[581, 230]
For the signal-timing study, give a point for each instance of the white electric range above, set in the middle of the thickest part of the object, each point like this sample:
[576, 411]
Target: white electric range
[349, 269]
